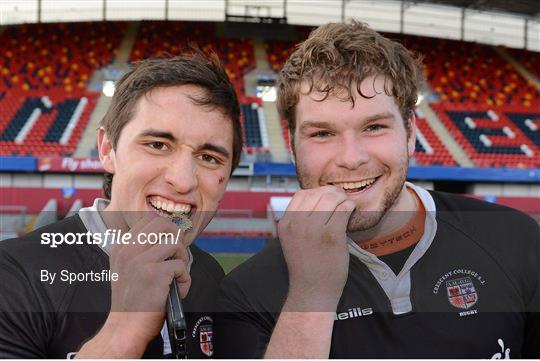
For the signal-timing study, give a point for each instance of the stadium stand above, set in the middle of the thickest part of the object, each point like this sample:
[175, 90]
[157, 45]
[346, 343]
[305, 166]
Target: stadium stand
[254, 126]
[529, 59]
[45, 69]
[471, 73]
[476, 87]
[285, 132]
[429, 149]
[493, 138]
[252, 129]
[277, 52]
[160, 38]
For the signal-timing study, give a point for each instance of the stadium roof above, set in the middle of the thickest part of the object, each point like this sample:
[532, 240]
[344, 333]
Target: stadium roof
[513, 23]
[522, 7]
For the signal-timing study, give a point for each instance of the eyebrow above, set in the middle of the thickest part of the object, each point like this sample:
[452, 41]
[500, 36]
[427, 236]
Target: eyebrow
[158, 134]
[323, 124]
[314, 124]
[216, 148]
[169, 136]
[379, 116]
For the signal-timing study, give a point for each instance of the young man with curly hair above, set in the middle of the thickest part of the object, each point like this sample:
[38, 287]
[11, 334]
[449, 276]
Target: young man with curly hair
[369, 265]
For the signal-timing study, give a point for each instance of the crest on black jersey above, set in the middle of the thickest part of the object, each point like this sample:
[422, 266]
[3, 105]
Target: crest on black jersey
[461, 293]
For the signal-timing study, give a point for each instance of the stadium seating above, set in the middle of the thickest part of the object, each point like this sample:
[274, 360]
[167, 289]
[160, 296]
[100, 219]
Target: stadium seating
[528, 123]
[429, 149]
[277, 52]
[44, 71]
[465, 72]
[285, 132]
[470, 80]
[252, 129]
[529, 59]
[160, 38]
[254, 134]
[33, 124]
[493, 138]
[45, 104]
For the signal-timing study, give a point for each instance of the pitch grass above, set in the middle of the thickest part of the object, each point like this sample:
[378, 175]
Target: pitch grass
[230, 260]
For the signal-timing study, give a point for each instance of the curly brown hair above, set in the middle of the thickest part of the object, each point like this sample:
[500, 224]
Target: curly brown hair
[337, 57]
[194, 68]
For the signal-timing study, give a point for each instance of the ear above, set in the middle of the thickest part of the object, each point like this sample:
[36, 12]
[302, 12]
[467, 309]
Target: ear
[411, 142]
[106, 151]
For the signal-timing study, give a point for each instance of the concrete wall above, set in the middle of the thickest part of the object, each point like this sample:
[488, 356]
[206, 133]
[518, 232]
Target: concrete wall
[506, 189]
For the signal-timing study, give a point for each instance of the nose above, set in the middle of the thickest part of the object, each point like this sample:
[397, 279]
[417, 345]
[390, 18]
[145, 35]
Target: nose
[351, 153]
[180, 173]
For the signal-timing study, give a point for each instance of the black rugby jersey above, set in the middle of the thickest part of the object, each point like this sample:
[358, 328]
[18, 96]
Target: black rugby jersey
[473, 293]
[41, 320]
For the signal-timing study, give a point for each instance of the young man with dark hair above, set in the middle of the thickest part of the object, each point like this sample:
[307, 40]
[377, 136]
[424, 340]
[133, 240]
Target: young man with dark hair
[369, 265]
[169, 143]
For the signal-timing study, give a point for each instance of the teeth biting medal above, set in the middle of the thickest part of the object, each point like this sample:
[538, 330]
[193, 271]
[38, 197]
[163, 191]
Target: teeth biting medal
[182, 221]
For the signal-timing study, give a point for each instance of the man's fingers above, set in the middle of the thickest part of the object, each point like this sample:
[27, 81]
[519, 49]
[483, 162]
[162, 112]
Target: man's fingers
[177, 270]
[340, 217]
[296, 201]
[182, 253]
[160, 252]
[313, 206]
[326, 206]
[148, 232]
[133, 247]
[298, 209]
[308, 200]
[159, 225]
[143, 222]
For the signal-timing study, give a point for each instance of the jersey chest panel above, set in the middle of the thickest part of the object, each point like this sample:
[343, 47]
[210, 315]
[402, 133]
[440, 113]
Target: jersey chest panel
[464, 305]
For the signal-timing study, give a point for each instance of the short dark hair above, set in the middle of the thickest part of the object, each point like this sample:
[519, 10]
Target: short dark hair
[192, 68]
[338, 56]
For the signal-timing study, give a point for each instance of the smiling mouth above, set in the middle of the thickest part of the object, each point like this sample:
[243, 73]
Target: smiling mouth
[176, 212]
[355, 187]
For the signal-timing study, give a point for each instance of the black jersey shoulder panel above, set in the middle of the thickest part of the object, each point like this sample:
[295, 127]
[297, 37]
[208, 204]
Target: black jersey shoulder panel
[206, 275]
[28, 258]
[510, 237]
[259, 284]
[205, 263]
